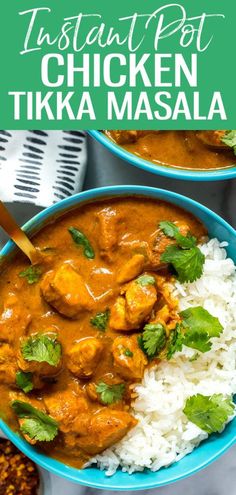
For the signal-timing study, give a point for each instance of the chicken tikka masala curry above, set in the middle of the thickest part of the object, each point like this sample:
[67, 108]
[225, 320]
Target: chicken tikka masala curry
[71, 328]
[199, 150]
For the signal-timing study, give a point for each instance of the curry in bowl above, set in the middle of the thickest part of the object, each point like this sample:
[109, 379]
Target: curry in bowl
[194, 150]
[98, 338]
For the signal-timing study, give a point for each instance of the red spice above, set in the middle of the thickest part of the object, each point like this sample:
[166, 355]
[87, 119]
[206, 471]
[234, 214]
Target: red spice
[18, 474]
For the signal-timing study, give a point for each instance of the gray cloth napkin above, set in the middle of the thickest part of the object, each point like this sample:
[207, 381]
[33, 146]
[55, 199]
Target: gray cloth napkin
[41, 167]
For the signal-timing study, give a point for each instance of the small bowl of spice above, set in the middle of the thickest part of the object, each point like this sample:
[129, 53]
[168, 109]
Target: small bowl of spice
[19, 475]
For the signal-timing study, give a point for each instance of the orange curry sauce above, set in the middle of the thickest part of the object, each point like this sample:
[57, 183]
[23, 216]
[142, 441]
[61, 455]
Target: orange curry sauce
[72, 289]
[194, 150]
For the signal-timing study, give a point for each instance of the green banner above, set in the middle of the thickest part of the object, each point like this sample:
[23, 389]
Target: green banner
[131, 64]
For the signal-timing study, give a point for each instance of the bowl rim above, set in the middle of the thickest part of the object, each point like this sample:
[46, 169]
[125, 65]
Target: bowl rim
[57, 467]
[174, 173]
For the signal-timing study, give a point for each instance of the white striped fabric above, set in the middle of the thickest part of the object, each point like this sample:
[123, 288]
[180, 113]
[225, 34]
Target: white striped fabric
[41, 167]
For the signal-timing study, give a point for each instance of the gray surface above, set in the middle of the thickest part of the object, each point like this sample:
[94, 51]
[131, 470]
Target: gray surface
[104, 169]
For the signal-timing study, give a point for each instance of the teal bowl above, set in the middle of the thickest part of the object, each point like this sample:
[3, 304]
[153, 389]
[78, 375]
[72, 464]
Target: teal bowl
[172, 172]
[210, 449]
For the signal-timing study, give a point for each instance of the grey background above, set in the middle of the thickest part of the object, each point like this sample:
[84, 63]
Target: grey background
[105, 169]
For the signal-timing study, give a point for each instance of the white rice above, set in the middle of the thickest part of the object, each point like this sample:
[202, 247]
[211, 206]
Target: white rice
[163, 434]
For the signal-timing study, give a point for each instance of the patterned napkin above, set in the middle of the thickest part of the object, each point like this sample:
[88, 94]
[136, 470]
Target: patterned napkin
[41, 167]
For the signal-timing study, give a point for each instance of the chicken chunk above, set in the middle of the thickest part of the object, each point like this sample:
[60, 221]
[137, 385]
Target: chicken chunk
[118, 319]
[159, 244]
[162, 316]
[8, 365]
[65, 290]
[41, 347]
[105, 428]
[91, 391]
[19, 395]
[109, 221]
[129, 360]
[65, 406]
[14, 320]
[212, 138]
[132, 309]
[131, 269]
[40, 370]
[139, 303]
[167, 309]
[84, 356]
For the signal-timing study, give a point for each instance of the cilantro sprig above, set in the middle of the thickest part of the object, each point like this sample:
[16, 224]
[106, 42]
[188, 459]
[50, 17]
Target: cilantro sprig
[35, 424]
[175, 343]
[230, 139]
[171, 230]
[32, 274]
[200, 326]
[100, 320]
[24, 381]
[110, 393]
[196, 329]
[185, 256]
[42, 348]
[80, 239]
[153, 339]
[210, 413]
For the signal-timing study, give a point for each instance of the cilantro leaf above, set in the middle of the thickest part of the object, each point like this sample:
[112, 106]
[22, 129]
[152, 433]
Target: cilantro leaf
[81, 240]
[196, 329]
[128, 353]
[110, 393]
[199, 319]
[185, 257]
[36, 425]
[199, 327]
[210, 413]
[197, 340]
[230, 139]
[100, 320]
[188, 263]
[33, 274]
[153, 339]
[24, 381]
[42, 348]
[145, 280]
[175, 343]
[141, 343]
[171, 230]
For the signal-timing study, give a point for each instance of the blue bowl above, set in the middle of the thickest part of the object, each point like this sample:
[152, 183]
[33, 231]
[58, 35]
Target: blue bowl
[209, 450]
[174, 173]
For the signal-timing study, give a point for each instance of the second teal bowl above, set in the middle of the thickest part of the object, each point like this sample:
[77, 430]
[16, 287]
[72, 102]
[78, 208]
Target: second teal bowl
[209, 450]
[174, 173]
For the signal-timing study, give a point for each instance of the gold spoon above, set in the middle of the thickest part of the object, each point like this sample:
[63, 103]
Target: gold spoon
[8, 223]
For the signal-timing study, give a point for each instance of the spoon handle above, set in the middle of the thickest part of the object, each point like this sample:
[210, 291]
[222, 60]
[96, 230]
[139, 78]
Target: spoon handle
[10, 226]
